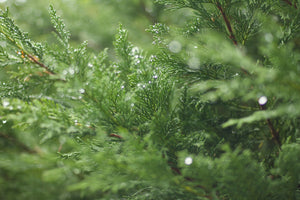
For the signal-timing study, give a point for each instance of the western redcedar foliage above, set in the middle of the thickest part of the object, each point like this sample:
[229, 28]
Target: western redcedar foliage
[213, 113]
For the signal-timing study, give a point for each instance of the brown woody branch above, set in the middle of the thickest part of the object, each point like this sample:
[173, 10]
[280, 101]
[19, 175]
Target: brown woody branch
[227, 22]
[35, 60]
[18, 143]
[274, 133]
[24, 53]
[290, 3]
[229, 28]
[115, 136]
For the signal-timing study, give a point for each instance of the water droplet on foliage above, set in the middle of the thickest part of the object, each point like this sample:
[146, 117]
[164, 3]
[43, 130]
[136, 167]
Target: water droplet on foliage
[262, 100]
[152, 58]
[65, 72]
[194, 63]
[82, 91]
[4, 121]
[5, 104]
[135, 50]
[188, 160]
[175, 46]
[268, 37]
[71, 71]
[236, 74]
[76, 171]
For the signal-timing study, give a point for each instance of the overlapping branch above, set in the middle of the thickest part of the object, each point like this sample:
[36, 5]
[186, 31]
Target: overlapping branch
[274, 133]
[17, 143]
[291, 4]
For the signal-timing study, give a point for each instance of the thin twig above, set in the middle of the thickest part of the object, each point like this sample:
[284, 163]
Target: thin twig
[274, 133]
[18, 143]
[290, 3]
[33, 59]
[229, 28]
[228, 25]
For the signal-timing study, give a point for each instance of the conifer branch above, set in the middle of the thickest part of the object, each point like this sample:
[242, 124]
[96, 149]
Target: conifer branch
[18, 143]
[25, 53]
[274, 133]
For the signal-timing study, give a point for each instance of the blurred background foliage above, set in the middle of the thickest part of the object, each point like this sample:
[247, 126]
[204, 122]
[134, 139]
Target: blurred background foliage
[95, 21]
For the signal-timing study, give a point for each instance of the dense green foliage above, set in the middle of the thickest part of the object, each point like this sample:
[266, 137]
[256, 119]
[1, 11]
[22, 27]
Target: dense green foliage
[210, 110]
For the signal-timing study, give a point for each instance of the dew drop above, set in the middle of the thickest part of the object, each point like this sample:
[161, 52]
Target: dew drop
[65, 72]
[175, 46]
[262, 100]
[268, 37]
[194, 63]
[82, 91]
[135, 50]
[5, 104]
[188, 160]
[71, 71]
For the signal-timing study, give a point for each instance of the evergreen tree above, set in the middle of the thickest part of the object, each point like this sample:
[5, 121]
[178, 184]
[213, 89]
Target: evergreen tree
[213, 113]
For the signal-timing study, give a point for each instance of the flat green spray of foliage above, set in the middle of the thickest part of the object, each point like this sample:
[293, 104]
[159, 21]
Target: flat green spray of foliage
[214, 113]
